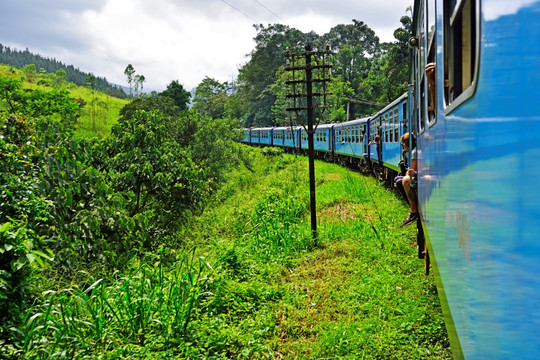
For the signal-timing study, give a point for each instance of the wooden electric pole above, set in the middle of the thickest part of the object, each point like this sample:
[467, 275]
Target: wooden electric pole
[306, 62]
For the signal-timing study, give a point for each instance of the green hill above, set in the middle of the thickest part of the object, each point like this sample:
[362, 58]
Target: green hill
[20, 59]
[99, 112]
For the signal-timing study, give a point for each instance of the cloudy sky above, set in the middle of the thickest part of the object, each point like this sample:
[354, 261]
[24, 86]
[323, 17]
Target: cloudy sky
[167, 40]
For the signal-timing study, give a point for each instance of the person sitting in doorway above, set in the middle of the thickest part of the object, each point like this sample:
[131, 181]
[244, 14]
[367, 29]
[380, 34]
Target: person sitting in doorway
[410, 178]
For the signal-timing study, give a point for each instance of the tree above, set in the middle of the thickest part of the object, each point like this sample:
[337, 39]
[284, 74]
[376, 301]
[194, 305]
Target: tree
[130, 72]
[259, 73]
[60, 78]
[398, 57]
[280, 90]
[356, 47]
[210, 98]
[138, 81]
[176, 91]
[30, 72]
[163, 104]
[148, 163]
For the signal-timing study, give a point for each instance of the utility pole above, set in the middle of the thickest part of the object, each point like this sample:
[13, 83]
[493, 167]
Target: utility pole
[306, 62]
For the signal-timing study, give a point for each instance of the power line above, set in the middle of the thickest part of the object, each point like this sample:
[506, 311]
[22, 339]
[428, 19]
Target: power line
[270, 11]
[241, 12]
[366, 102]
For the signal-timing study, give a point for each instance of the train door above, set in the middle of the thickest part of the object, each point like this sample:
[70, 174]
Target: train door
[364, 138]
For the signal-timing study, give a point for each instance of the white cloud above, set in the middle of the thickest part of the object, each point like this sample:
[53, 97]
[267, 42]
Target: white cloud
[495, 9]
[169, 40]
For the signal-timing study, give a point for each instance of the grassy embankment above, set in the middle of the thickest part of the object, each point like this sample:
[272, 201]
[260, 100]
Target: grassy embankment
[360, 294]
[256, 286]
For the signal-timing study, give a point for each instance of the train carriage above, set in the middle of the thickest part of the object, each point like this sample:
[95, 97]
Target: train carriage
[265, 136]
[393, 122]
[349, 139]
[278, 136]
[322, 139]
[291, 136]
[476, 70]
[472, 107]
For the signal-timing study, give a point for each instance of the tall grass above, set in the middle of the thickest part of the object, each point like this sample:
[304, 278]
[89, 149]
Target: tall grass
[147, 301]
[277, 226]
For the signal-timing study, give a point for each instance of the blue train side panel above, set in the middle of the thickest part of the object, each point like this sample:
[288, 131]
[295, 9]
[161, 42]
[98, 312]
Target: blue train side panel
[290, 136]
[479, 170]
[265, 137]
[393, 120]
[322, 138]
[348, 137]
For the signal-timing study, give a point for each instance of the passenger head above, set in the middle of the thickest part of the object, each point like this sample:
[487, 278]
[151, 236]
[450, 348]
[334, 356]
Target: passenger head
[405, 141]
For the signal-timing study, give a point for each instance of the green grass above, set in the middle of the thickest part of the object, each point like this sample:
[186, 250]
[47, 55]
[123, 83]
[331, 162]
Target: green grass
[361, 294]
[258, 286]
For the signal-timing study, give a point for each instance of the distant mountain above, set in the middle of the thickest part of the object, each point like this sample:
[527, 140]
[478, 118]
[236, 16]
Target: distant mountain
[20, 59]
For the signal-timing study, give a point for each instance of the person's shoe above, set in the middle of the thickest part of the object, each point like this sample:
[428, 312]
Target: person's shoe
[410, 219]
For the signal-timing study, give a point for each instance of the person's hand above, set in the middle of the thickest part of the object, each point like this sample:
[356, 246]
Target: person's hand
[411, 172]
[430, 69]
[430, 75]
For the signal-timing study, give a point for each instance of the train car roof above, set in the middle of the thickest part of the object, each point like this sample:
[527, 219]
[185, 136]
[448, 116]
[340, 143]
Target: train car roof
[324, 126]
[391, 105]
[281, 128]
[353, 122]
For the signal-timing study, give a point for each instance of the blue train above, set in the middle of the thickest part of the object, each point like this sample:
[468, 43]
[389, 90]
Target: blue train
[351, 141]
[472, 105]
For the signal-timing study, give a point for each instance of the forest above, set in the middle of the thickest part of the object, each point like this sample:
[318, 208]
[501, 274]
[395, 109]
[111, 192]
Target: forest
[152, 233]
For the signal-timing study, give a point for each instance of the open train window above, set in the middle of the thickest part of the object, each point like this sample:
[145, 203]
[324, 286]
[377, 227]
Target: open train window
[386, 128]
[430, 68]
[396, 125]
[461, 50]
[390, 125]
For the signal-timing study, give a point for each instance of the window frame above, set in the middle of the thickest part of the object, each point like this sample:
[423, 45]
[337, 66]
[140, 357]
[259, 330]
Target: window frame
[448, 22]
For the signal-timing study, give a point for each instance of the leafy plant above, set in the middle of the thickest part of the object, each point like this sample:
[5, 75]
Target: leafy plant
[150, 300]
[150, 167]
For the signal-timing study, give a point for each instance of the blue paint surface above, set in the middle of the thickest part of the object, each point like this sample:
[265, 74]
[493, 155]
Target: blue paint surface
[479, 192]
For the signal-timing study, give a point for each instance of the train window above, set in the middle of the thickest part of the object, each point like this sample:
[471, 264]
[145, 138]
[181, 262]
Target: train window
[387, 128]
[396, 125]
[388, 119]
[390, 127]
[461, 42]
[405, 118]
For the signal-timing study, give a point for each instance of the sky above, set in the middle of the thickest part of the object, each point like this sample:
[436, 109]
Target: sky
[166, 40]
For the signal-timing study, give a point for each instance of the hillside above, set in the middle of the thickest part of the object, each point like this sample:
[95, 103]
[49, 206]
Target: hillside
[19, 59]
[99, 112]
